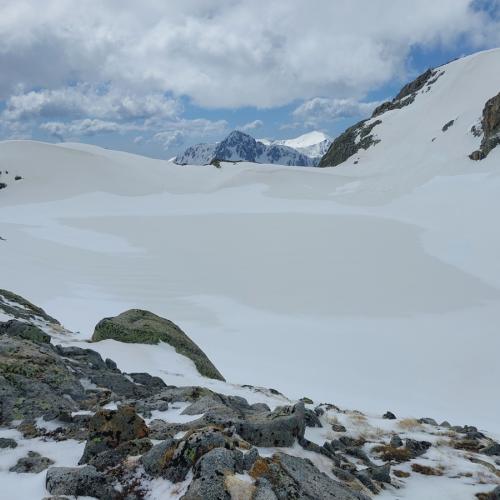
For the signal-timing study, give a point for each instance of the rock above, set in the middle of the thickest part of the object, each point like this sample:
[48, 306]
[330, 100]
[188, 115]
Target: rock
[111, 458]
[144, 327]
[298, 478]
[174, 459]
[447, 125]
[380, 473]
[417, 448]
[338, 428]
[277, 428]
[20, 308]
[75, 481]
[307, 401]
[27, 331]
[491, 450]
[263, 490]
[311, 419]
[428, 421]
[157, 458]
[34, 380]
[357, 137]
[396, 441]
[388, 415]
[490, 125]
[445, 424]
[32, 463]
[7, 443]
[210, 475]
[110, 428]
[159, 429]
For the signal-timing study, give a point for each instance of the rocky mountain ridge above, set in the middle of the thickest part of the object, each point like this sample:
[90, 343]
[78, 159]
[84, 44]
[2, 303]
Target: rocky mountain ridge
[238, 146]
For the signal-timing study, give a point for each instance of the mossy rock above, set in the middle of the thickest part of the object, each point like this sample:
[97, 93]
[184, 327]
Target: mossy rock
[137, 326]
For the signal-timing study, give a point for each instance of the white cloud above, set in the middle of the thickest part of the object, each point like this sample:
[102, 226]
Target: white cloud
[78, 128]
[254, 125]
[321, 110]
[176, 133]
[227, 53]
[85, 100]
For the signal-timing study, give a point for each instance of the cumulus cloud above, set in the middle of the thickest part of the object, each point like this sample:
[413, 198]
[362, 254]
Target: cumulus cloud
[176, 133]
[87, 100]
[228, 53]
[78, 128]
[321, 110]
[254, 125]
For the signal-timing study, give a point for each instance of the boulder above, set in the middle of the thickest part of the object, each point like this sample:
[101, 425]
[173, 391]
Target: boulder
[27, 331]
[143, 327]
[417, 448]
[110, 428]
[491, 450]
[32, 463]
[298, 478]
[210, 475]
[7, 443]
[75, 481]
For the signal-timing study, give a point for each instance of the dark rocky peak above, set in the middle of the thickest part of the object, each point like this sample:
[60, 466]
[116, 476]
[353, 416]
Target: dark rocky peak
[408, 93]
[490, 128]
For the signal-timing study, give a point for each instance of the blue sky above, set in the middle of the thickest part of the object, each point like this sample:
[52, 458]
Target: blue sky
[156, 77]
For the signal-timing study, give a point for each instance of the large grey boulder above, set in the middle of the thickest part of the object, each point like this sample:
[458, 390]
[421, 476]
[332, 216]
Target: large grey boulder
[209, 476]
[86, 481]
[299, 478]
[143, 327]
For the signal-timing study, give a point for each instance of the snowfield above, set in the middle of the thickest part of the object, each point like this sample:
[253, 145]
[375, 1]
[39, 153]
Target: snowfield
[373, 285]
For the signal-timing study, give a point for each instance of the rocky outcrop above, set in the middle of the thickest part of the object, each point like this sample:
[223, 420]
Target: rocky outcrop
[490, 129]
[20, 308]
[355, 138]
[27, 331]
[408, 93]
[143, 327]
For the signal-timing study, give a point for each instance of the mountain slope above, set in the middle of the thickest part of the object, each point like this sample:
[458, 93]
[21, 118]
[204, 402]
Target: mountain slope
[238, 146]
[432, 121]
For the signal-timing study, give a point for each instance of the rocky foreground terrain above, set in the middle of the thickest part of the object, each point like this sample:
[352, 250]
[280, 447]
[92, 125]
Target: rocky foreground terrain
[88, 429]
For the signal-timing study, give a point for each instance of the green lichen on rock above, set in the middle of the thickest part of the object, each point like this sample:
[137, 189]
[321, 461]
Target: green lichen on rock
[143, 327]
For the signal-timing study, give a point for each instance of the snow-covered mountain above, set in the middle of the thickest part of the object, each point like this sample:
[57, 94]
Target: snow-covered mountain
[238, 146]
[440, 118]
[313, 144]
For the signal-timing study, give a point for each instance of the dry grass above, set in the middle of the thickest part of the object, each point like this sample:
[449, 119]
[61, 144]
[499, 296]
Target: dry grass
[260, 468]
[239, 489]
[426, 470]
[409, 424]
[388, 453]
[401, 473]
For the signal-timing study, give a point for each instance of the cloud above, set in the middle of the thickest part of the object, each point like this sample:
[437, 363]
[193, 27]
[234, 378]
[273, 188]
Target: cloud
[228, 53]
[321, 110]
[78, 128]
[84, 100]
[176, 133]
[256, 124]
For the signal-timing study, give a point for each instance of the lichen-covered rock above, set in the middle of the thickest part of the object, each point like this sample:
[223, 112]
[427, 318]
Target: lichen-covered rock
[298, 478]
[110, 428]
[490, 125]
[27, 331]
[210, 474]
[144, 327]
[32, 463]
[86, 481]
[8, 443]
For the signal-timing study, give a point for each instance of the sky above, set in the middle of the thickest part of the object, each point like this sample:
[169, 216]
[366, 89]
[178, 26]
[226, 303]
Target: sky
[156, 76]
